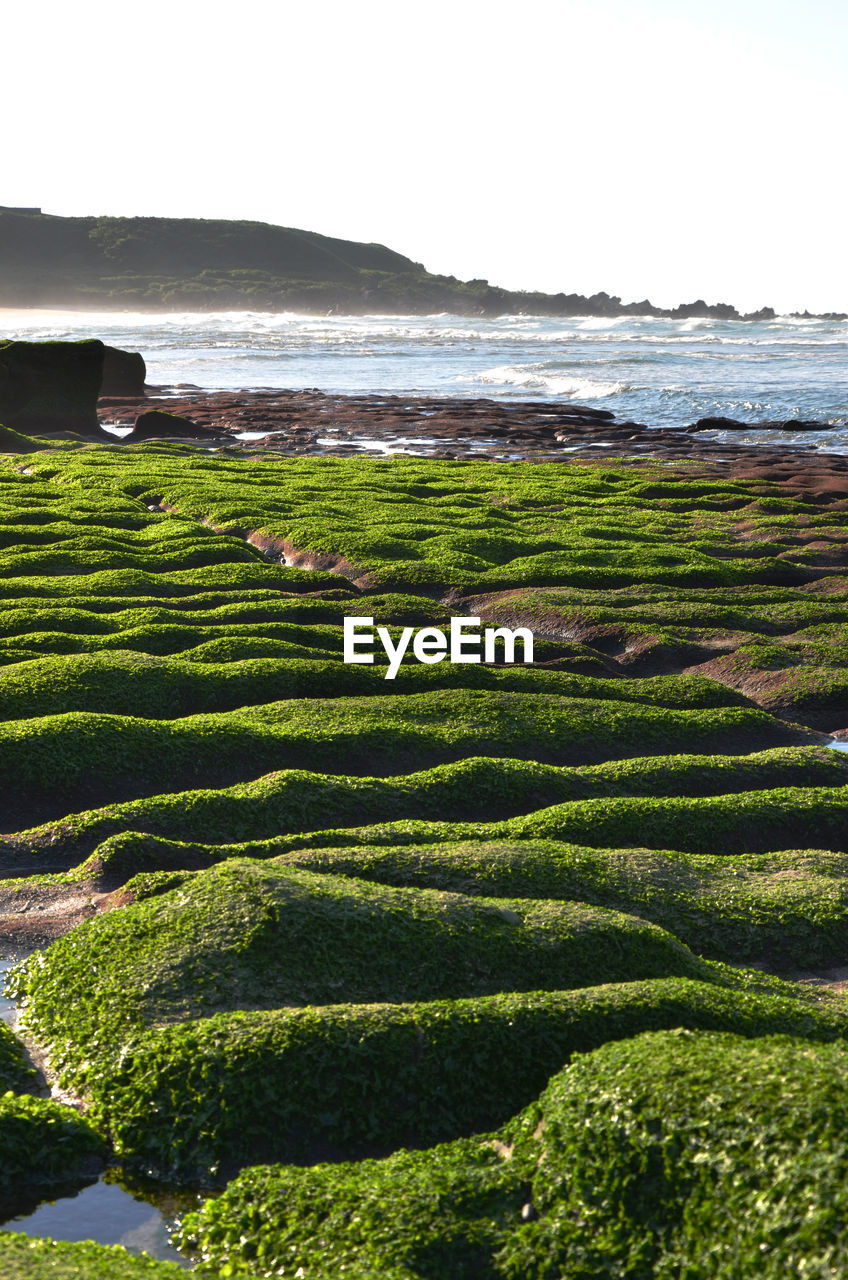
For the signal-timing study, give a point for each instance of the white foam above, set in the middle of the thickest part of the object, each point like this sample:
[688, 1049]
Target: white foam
[554, 384]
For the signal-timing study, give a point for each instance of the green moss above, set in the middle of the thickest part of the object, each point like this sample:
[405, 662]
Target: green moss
[692, 1152]
[16, 1074]
[474, 789]
[42, 1142]
[254, 663]
[348, 1080]
[412, 524]
[29, 1258]
[56, 763]
[429, 947]
[751, 822]
[253, 935]
[15, 442]
[673, 1153]
[789, 908]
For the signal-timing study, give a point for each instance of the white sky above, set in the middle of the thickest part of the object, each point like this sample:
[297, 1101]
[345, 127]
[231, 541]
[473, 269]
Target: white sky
[672, 149]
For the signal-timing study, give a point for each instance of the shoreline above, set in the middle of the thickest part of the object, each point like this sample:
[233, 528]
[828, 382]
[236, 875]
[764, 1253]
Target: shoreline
[310, 422]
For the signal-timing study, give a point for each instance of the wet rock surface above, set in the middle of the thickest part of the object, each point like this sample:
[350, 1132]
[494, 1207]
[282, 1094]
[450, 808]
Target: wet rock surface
[314, 422]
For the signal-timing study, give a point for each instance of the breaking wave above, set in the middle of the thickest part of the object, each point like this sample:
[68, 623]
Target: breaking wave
[552, 384]
[659, 371]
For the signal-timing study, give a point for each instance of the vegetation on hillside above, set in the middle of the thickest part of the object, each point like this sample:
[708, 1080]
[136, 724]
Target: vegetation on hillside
[207, 264]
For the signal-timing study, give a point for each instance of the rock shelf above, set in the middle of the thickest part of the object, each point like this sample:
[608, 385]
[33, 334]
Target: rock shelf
[430, 938]
[315, 422]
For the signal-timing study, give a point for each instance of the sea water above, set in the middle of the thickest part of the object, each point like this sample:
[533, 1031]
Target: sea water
[657, 371]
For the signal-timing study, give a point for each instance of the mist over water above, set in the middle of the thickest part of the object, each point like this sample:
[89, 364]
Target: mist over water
[657, 371]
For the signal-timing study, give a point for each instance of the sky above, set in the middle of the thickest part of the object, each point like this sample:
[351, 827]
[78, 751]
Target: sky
[669, 149]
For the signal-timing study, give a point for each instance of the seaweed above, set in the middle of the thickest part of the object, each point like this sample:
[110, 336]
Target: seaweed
[348, 921]
[674, 1152]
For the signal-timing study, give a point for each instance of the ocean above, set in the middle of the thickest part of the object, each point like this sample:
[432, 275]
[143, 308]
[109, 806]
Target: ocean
[655, 371]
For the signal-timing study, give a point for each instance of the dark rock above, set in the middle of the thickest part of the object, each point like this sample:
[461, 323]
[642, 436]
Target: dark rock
[701, 310]
[156, 425]
[582, 411]
[123, 373]
[51, 386]
[719, 424]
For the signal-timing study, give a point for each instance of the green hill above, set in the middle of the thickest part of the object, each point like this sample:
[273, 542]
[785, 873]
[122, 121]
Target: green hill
[48, 260]
[208, 264]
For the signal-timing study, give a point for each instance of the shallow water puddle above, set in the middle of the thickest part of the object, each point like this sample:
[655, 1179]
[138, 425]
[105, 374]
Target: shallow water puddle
[101, 1211]
[837, 746]
[107, 1214]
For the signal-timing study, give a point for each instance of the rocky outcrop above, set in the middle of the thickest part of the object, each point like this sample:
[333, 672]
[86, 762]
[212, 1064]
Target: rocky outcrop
[769, 424]
[123, 373]
[51, 386]
[55, 386]
[157, 425]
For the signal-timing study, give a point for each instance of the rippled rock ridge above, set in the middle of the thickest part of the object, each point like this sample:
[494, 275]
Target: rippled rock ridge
[492, 970]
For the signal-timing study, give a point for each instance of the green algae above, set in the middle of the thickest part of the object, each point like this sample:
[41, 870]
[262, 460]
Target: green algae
[669, 1153]
[246, 934]
[15, 442]
[473, 789]
[789, 907]
[124, 682]
[43, 1142]
[30, 1258]
[185, 1004]
[16, 1075]
[52, 764]
[299, 1084]
[425, 526]
[160, 650]
[750, 822]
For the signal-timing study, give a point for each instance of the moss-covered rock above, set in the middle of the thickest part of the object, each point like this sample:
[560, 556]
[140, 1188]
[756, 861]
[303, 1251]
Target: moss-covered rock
[123, 373]
[16, 1075]
[249, 935]
[14, 442]
[81, 758]
[665, 1154]
[474, 789]
[788, 908]
[201, 1097]
[751, 822]
[51, 386]
[435, 926]
[30, 1258]
[43, 1142]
